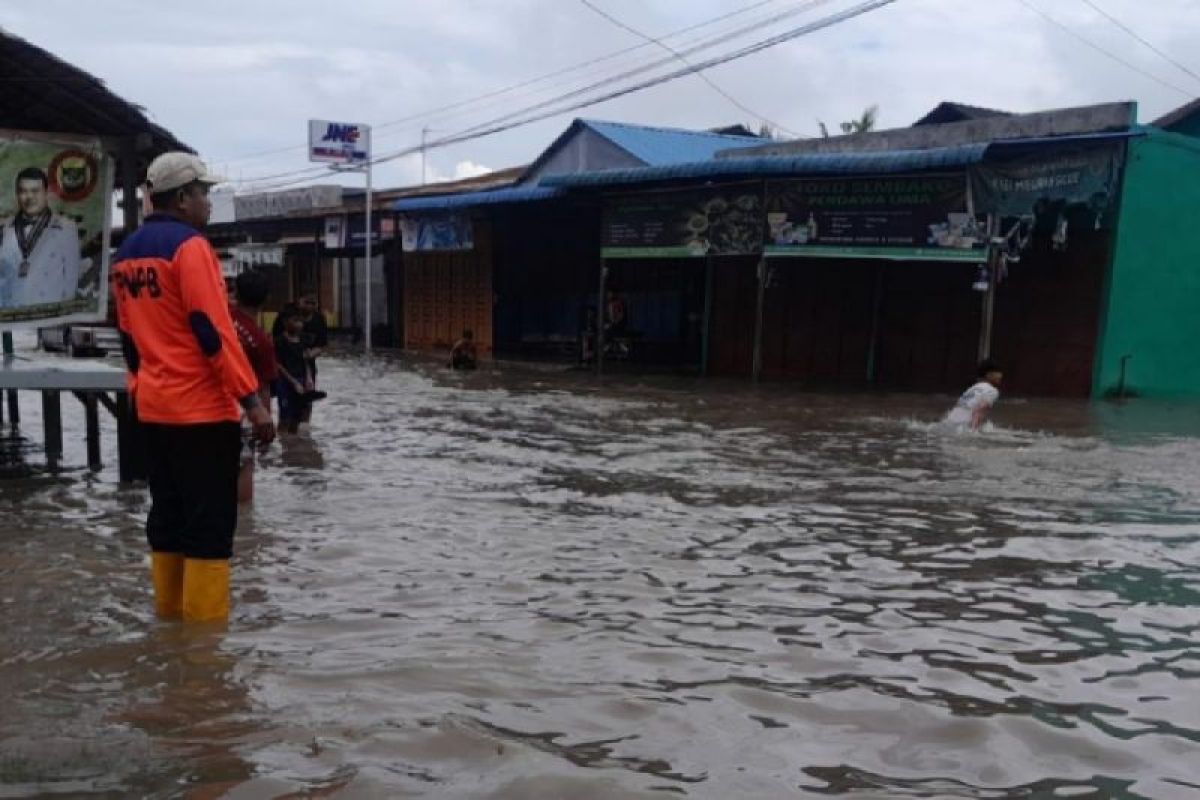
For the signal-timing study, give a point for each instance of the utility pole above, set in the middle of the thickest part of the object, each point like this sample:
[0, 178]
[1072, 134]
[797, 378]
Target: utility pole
[424, 134]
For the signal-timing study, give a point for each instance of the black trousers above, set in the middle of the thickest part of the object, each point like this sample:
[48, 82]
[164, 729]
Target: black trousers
[193, 487]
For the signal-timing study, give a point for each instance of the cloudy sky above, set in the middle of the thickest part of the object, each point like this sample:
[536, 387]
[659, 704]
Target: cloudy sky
[238, 79]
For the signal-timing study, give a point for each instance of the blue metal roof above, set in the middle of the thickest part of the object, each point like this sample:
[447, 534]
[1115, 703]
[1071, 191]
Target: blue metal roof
[658, 147]
[808, 163]
[880, 163]
[512, 194]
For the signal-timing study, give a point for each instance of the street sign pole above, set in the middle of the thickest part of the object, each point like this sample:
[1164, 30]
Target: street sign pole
[347, 146]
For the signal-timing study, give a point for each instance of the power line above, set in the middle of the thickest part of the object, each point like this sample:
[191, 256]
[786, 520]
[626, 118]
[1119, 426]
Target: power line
[794, 33]
[1068, 29]
[737, 103]
[1165, 56]
[506, 123]
[522, 84]
[700, 45]
[696, 48]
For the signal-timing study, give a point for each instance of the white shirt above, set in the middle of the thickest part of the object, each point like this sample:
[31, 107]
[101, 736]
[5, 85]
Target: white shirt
[54, 265]
[981, 395]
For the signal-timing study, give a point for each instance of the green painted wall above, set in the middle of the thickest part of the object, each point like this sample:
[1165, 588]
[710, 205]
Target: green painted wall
[1153, 297]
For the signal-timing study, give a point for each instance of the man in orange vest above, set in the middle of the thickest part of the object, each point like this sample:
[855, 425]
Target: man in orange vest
[190, 382]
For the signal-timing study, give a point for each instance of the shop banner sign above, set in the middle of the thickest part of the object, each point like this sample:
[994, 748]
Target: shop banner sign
[55, 223]
[334, 232]
[921, 218]
[726, 221]
[434, 232]
[1084, 178]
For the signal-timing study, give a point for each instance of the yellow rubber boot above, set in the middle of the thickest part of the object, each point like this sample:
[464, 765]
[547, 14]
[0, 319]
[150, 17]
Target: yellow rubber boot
[205, 590]
[166, 573]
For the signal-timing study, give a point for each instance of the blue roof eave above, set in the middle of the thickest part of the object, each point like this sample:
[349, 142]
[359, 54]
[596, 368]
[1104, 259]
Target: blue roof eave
[447, 202]
[878, 163]
[808, 163]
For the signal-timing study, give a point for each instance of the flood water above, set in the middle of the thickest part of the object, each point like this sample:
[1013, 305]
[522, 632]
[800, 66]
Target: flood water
[522, 583]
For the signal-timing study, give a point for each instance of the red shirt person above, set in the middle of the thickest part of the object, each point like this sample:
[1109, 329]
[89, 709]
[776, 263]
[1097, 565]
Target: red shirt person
[251, 289]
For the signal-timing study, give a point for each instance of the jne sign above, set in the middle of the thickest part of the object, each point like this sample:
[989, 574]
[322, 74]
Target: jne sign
[338, 142]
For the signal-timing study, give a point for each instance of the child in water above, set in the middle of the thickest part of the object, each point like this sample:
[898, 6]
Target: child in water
[972, 408]
[295, 382]
[464, 355]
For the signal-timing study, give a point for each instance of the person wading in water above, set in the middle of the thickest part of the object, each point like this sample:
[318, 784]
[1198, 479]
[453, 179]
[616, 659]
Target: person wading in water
[190, 382]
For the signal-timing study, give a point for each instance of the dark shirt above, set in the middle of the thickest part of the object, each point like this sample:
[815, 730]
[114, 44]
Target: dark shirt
[463, 355]
[290, 356]
[315, 333]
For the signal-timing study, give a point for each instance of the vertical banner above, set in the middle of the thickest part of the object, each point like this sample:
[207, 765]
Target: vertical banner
[55, 224]
[335, 232]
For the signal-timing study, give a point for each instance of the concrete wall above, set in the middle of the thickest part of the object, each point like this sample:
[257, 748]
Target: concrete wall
[1153, 298]
[1062, 122]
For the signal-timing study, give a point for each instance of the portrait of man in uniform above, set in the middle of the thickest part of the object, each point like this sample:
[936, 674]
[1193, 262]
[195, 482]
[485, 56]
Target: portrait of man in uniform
[39, 249]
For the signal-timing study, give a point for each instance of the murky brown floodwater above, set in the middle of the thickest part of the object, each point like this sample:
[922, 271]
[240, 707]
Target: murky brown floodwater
[525, 585]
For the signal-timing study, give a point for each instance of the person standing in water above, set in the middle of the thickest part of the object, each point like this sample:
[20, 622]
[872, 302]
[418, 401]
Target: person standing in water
[190, 382]
[972, 409]
[294, 385]
[251, 290]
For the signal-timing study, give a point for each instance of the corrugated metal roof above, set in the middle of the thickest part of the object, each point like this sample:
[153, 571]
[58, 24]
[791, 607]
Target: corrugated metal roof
[873, 162]
[811, 164]
[41, 92]
[515, 194]
[658, 147]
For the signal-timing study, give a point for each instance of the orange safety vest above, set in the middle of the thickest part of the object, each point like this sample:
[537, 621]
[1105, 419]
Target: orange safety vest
[185, 362]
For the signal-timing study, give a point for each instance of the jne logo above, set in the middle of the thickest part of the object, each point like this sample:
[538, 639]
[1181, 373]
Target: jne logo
[341, 133]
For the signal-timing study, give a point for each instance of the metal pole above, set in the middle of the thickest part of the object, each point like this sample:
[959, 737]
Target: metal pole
[989, 298]
[756, 364]
[424, 133]
[600, 319]
[757, 356]
[367, 340]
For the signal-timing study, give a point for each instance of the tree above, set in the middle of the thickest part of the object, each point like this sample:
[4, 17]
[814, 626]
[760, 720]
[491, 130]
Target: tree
[863, 124]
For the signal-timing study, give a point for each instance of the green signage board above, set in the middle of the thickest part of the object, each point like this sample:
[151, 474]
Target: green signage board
[686, 224]
[921, 217]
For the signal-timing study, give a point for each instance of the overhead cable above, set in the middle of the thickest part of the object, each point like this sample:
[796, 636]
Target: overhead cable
[431, 112]
[1068, 29]
[713, 84]
[1165, 56]
[507, 123]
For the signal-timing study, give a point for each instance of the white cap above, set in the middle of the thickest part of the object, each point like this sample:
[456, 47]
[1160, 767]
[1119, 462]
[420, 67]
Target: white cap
[176, 170]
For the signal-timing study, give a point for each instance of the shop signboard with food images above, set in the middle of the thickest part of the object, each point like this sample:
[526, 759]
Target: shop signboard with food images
[908, 218]
[689, 224]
